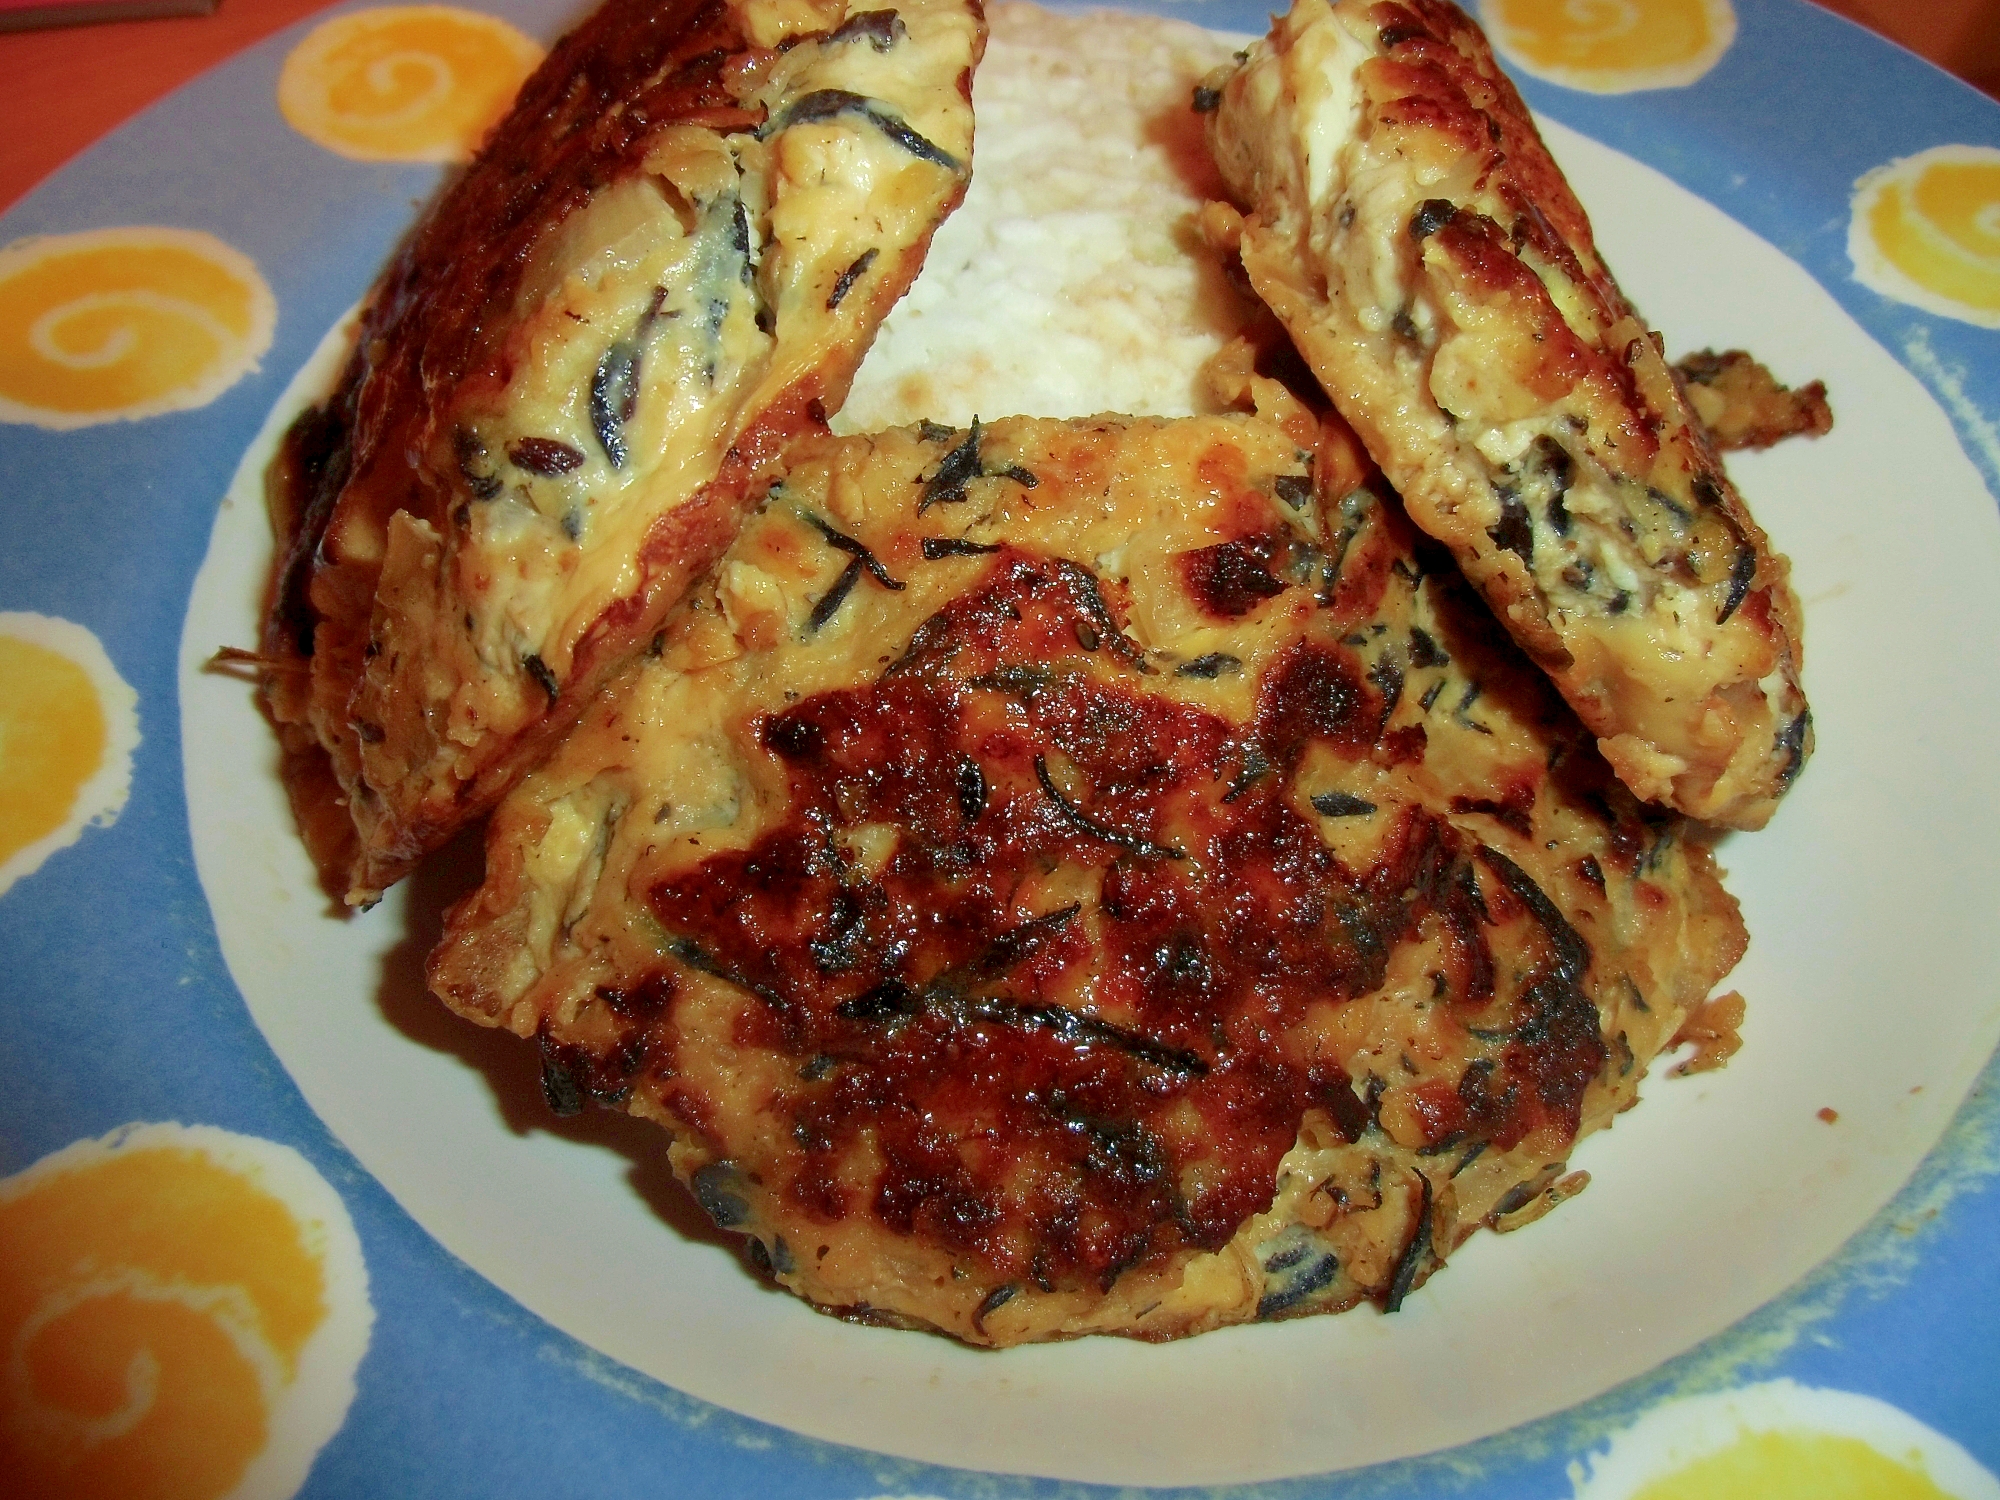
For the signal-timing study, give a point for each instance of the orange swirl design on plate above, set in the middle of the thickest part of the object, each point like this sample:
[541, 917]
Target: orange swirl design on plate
[119, 324]
[182, 1310]
[68, 727]
[1611, 46]
[1926, 230]
[405, 82]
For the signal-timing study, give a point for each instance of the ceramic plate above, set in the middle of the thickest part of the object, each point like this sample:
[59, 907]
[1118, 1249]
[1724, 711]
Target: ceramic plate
[288, 1227]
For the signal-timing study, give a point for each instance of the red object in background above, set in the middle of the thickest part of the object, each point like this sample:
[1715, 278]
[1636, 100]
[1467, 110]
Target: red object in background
[33, 15]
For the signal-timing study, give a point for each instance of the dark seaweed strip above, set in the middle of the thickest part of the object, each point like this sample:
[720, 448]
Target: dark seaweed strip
[917, 145]
[1469, 1158]
[1255, 764]
[715, 1189]
[1571, 950]
[1387, 675]
[1680, 513]
[1472, 692]
[938, 547]
[991, 1303]
[934, 432]
[1706, 490]
[1025, 478]
[884, 1001]
[544, 678]
[1513, 532]
[703, 962]
[844, 283]
[826, 104]
[1740, 574]
[739, 238]
[1019, 942]
[470, 451]
[1088, 1031]
[859, 551]
[957, 469]
[1342, 805]
[540, 455]
[1083, 583]
[1210, 666]
[614, 396]
[881, 29]
[560, 1090]
[1392, 37]
[1793, 742]
[1413, 1253]
[1314, 1278]
[1294, 489]
[1136, 843]
[1431, 695]
[830, 602]
[1425, 651]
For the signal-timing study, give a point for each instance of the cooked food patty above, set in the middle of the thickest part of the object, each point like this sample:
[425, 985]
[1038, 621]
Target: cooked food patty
[1094, 876]
[1410, 229]
[665, 263]
[1743, 405]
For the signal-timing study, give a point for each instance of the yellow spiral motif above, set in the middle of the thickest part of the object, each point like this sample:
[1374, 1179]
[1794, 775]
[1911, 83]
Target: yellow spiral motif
[1926, 230]
[405, 82]
[182, 1311]
[68, 727]
[118, 324]
[1612, 46]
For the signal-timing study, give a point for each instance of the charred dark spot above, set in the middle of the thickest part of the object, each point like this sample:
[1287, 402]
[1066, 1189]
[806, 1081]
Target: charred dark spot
[1431, 216]
[1514, 532]
[1591, 870]
[1206, 100]
[1232, 578]
[970, 785]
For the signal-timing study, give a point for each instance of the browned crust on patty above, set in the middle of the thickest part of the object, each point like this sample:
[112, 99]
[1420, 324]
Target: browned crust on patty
[1412, 232]
[468, 543]
[1089, 877]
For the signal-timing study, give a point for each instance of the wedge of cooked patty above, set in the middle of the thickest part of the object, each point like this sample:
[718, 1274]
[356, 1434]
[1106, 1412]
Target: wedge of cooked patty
[1090, 877]
[1410, 229]
[665, 263]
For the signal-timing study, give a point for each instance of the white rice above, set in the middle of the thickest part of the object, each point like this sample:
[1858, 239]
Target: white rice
[1072, 280]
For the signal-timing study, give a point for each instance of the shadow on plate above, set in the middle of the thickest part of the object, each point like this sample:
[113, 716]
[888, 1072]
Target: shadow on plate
[508, 1064]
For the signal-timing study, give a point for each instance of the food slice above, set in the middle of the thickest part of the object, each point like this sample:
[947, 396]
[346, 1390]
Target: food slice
[665, 263]
[1090, 877]
[1411, 231]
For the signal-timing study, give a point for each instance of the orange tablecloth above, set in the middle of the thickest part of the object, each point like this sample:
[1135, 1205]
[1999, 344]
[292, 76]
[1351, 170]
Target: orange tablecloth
[66, 88]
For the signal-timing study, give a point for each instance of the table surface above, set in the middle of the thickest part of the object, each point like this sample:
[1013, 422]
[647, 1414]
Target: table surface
[67, 87]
